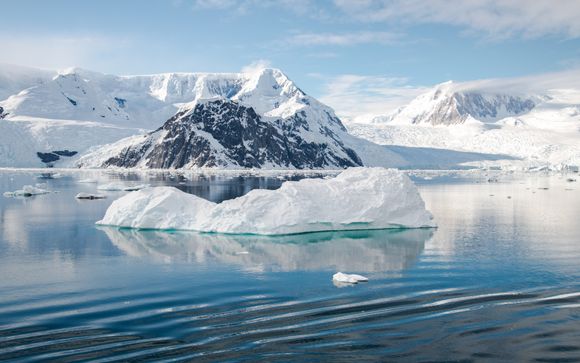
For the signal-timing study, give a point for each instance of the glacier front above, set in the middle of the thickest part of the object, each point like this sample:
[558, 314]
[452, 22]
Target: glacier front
[358, 198]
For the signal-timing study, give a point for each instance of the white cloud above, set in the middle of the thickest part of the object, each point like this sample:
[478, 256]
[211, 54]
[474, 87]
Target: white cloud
[495, 18]
[537, 83]
[322, 55]
[256, 66]
[304, 7]
[218, 4]
[55, 52]
[359, 98]
[343, 39]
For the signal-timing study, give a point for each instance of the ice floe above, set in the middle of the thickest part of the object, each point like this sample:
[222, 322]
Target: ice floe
[90, 196]
[27, 191]
[87, 181]
[121, 187]
[358, 198]
[348, 278]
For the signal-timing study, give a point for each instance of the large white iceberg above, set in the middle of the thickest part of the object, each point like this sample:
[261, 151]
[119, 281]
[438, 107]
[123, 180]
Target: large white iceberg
[358, 198]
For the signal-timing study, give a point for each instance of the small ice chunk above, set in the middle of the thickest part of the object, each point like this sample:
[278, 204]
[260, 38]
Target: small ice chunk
[115, 187]
[87, 181]
[90, 196]
[26, 191]
[348, 278]
[112, 187]
[132, 188]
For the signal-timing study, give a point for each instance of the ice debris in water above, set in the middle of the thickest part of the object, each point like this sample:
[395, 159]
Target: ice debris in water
[358, 198]
[348, 278]
[27, 191]
[90, 196]
[87, 181]
[132, 188]
[121, 187]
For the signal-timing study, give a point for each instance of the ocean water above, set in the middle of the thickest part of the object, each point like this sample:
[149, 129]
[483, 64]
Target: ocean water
[499, 279]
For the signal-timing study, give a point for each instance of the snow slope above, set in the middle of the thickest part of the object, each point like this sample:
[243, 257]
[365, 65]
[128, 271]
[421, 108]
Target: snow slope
[358, 198]
[520, 119]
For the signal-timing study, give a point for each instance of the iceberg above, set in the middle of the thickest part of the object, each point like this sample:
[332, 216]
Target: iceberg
[356, 199]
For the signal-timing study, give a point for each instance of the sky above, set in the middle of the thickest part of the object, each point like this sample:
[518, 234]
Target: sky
[358, 56]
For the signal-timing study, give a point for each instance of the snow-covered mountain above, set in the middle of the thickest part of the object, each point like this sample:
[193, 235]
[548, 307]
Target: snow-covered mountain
[46, 111]
[256, 119]
[224, 133]
[526, 118]
[450, 103]
[262, 119]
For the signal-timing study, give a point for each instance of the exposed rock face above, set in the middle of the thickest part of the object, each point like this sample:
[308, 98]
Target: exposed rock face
[54, 156]
[225, 133]
[2, 114]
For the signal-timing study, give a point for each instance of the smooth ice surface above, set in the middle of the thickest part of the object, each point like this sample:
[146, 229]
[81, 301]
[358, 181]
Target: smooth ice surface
[358, 198]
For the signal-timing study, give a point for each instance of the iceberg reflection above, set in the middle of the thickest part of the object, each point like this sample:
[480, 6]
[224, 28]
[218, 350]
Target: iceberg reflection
[364, 251]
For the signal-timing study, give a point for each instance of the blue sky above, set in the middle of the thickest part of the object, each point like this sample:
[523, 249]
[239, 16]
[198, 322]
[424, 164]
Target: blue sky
[330, 48]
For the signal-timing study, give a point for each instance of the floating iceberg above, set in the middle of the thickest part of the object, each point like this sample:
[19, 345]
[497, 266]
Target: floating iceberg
[113, 187]
[87, 181]
[133, 188]
[358, 198]
[90, 196]
[348, 278]
[27, 191]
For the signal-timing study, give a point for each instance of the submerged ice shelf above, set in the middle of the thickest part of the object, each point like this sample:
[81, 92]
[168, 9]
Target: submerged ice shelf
[358, 198]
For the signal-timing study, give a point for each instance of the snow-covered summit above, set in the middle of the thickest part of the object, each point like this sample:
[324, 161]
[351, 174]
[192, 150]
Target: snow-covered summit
[451, 103]
[144, 101]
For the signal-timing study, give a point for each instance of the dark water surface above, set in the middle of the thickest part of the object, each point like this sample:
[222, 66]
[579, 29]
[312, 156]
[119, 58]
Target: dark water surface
[498, 280]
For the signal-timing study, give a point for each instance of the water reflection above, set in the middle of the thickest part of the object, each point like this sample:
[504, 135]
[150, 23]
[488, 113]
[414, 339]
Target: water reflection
[364, 251]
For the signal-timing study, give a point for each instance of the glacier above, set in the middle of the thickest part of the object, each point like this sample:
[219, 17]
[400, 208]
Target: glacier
[356, 199]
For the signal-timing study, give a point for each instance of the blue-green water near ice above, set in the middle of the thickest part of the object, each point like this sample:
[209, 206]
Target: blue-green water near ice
[498, 280]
